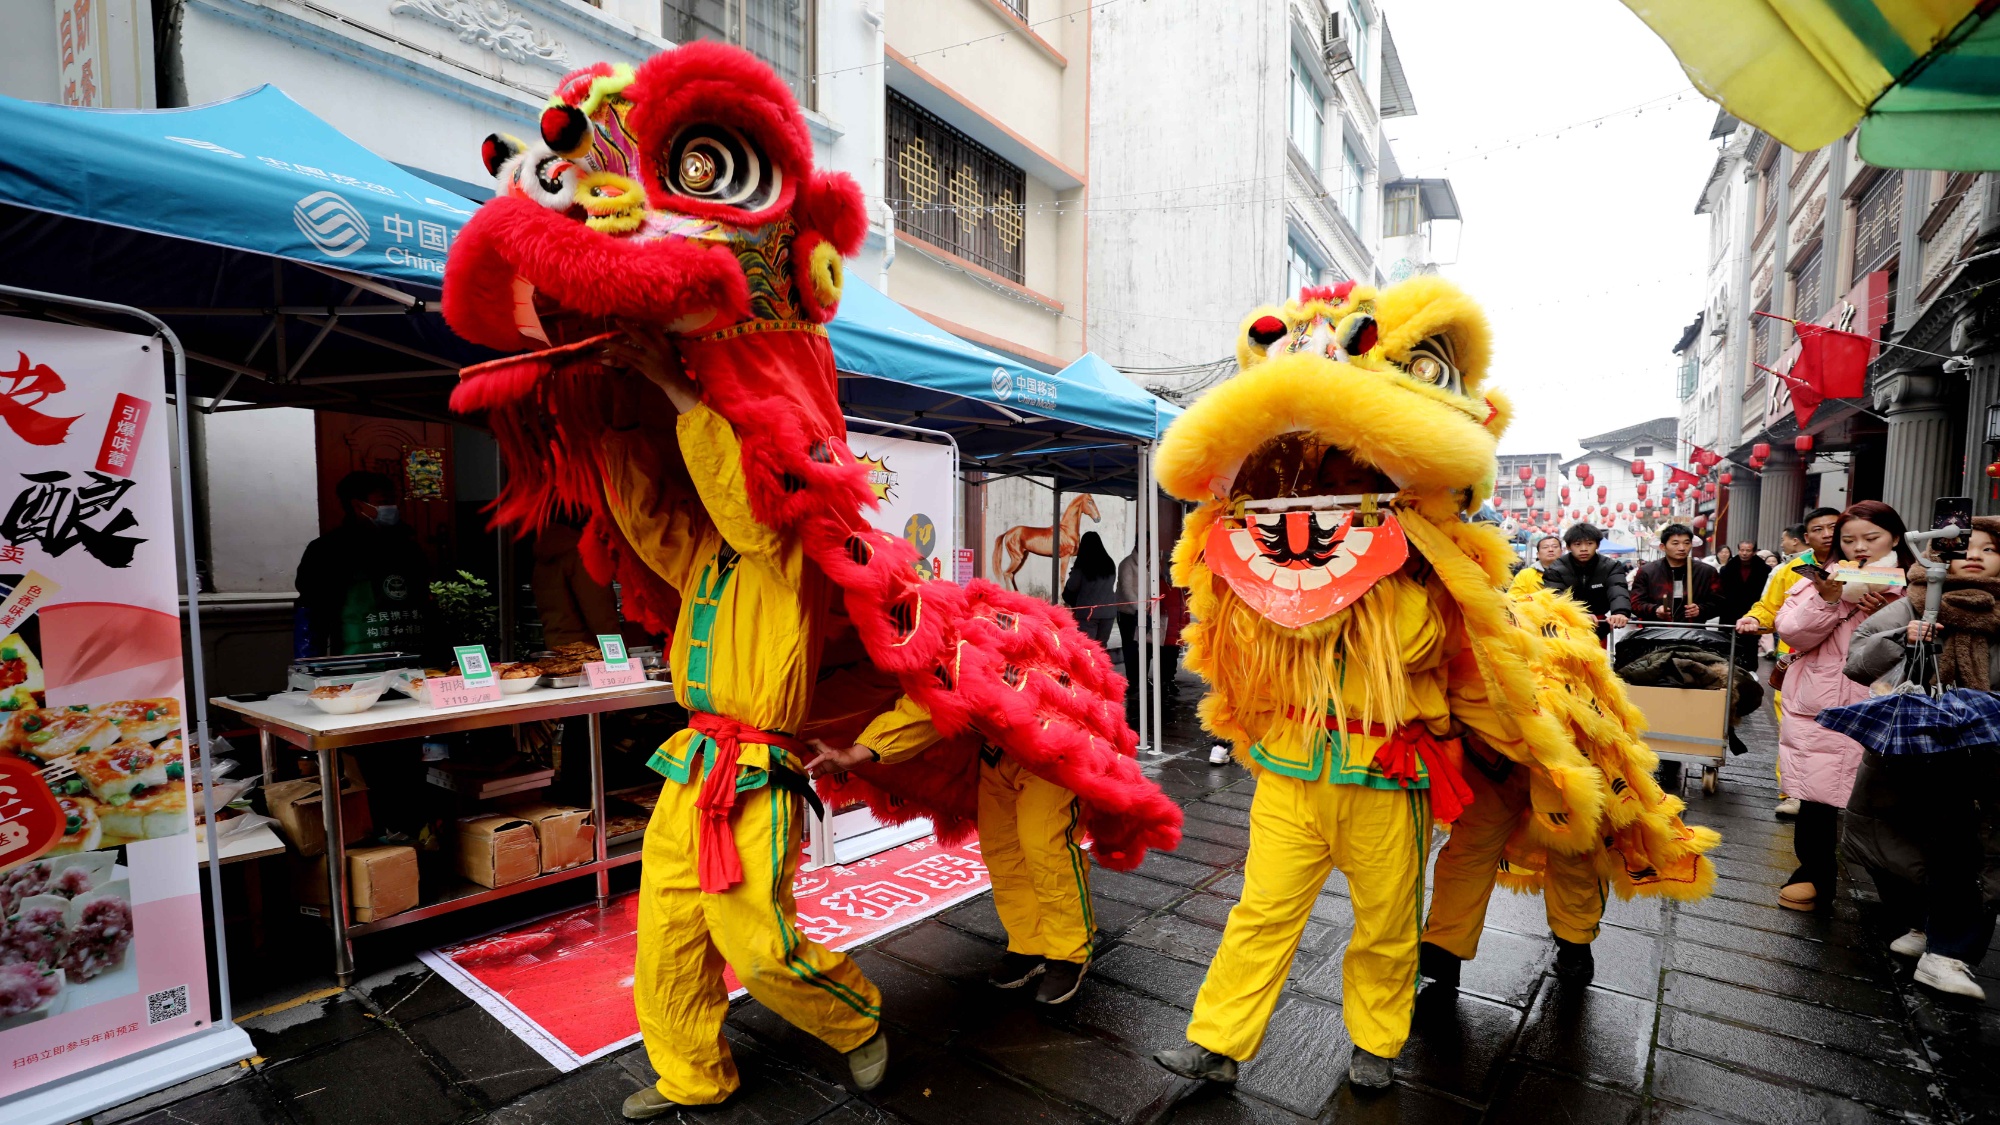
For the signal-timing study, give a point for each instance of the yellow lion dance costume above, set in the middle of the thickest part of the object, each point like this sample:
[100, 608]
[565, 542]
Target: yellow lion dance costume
[1367, 667]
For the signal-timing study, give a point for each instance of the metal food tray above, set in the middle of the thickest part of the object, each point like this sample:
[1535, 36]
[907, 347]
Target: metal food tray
[576, 680]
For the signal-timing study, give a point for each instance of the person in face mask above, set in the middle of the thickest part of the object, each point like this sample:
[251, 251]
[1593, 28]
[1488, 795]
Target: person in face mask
[363, 586]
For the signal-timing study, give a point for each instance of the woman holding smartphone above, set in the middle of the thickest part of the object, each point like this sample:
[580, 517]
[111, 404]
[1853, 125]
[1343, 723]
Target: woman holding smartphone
[1818, 620]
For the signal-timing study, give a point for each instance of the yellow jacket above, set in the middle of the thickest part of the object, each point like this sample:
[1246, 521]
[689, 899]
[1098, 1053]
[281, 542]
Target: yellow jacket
[1307, 750]
[748, 641]
[1775, 588]
[1526, 582]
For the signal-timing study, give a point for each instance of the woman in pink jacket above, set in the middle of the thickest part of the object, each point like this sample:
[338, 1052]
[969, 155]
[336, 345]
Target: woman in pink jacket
[1818, 764]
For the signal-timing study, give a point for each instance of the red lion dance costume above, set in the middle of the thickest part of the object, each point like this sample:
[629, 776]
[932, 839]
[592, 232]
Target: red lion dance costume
[677, 205]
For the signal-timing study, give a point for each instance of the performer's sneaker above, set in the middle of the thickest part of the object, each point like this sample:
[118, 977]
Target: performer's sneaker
[1370, 1072]
[1574, 962]
[869, 1062]
[1439, 964]
[649, 1102]
[1015, 970]
[1218, 755]
[1913, 944]
[1060, 980]
[1788, 808]
[1190, 1060]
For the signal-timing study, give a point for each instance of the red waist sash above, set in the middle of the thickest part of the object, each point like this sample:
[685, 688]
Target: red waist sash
[1398, 756]
[716, 862]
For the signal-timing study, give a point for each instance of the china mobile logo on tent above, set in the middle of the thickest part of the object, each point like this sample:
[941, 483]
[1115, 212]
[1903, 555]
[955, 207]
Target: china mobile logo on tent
[330, 223]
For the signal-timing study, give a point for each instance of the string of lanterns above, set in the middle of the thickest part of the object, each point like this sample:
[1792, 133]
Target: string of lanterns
[1710, 474]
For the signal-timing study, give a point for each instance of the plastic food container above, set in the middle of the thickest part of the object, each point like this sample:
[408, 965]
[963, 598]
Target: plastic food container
[332, 671]
[348, 699]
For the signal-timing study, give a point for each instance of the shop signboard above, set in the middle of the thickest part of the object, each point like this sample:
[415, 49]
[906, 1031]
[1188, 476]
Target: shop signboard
[102, 953]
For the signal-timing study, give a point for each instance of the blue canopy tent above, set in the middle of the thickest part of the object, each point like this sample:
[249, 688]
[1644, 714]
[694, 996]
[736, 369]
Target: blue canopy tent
[298, 267]
[1083, 424]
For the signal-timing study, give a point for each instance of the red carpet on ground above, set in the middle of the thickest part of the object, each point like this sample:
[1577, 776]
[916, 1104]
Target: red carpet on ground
[563, 983]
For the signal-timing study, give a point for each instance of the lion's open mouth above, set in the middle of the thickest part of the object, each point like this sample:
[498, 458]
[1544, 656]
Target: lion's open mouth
[1309, 530]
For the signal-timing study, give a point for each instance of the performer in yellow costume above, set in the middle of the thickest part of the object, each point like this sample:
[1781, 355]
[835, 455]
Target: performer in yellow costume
[1350, 623]
[746, 649]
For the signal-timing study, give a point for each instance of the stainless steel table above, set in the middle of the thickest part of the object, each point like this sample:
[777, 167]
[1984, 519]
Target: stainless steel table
[392, 719]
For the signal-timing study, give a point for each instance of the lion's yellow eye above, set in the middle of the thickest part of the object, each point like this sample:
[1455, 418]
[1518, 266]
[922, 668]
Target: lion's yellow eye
[1430, 370]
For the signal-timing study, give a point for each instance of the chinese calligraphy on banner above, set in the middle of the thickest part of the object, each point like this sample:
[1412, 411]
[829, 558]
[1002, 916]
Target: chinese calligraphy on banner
[101, 933]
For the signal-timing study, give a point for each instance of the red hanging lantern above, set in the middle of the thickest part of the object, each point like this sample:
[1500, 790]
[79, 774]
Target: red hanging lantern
[1650, 474]
[1641, 488]
[1638, 467]
[1802, 443]
[1701, 523]
[1541, 483]
[1993, 477]
[1602, 492]
[1761, 451]
[1726, 478]
[1525, 472]
[1565, 494]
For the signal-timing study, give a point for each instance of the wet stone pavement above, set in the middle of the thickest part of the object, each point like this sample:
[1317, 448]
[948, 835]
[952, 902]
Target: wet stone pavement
[1725, 1010]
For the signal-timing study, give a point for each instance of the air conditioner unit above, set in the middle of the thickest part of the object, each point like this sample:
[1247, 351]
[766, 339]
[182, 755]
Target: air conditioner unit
[1335, 54]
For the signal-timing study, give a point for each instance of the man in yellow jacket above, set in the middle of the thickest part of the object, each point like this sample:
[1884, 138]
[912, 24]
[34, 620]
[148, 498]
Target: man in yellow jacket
[1762, 617]
[1529, 579]
[1030, 838]
[722, 846]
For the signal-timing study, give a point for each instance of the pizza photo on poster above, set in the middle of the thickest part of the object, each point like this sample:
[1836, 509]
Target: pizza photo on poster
[101, 931]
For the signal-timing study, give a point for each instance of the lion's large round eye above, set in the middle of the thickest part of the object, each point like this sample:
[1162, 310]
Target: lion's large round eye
[717, 164]
[1429, 369]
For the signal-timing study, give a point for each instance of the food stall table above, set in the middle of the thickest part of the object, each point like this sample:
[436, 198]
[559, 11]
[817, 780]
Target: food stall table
[396, 719]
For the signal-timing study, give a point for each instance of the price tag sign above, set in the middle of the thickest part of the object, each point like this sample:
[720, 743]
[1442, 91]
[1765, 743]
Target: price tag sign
[473, 664]
[613, 647]
[457, 691]
[600, 674]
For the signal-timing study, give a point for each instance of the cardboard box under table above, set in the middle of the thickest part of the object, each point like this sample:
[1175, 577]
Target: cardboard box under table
[381, 881]
[407, 721]
[566, 835]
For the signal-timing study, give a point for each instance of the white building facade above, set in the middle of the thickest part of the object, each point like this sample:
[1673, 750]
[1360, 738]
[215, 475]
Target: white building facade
[1236, 156]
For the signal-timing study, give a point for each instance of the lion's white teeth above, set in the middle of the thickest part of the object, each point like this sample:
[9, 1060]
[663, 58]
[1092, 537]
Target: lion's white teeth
[1285, 578]
[1343, 561]
[1263, 568]
[1358, 540]
[1325, 520]
[1243, 543]
[1313, 579]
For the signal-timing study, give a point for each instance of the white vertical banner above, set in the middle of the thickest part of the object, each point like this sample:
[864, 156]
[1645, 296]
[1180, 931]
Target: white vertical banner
[916, 494]
[102, 950]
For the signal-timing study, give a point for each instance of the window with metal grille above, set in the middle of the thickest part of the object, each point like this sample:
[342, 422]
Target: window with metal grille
[780, 32]
[1690, 374]
[953, 192]
[1878, 223]
[1805, 293]
[1018, 7]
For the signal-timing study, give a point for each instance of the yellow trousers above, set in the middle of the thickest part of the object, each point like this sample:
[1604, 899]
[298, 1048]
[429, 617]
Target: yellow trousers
[686, 936]
[1299, 832]
[1463, 881]
[1028, 833]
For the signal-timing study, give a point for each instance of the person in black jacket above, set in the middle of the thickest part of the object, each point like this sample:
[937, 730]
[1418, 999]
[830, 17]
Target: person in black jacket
[1675, 587]
[1596, 581]
[365, 585]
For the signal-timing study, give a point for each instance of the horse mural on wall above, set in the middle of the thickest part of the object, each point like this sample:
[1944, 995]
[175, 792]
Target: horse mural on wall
[1012, 547]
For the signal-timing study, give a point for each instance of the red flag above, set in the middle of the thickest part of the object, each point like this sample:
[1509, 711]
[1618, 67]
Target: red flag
[1832, 362]
[1805, 397]
[1678, 475]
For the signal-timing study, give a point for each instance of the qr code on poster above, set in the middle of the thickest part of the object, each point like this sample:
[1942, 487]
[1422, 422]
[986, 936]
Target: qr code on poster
[169, 1004]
